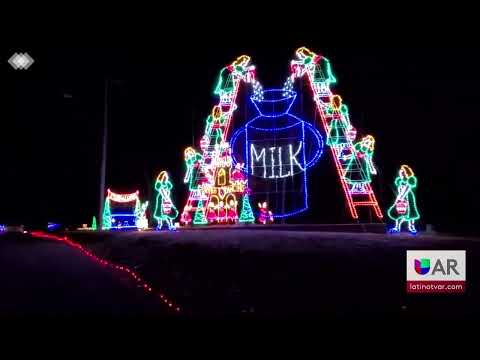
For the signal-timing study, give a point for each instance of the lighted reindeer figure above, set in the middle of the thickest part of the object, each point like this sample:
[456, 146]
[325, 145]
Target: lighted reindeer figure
[165, 210]
[265, 216]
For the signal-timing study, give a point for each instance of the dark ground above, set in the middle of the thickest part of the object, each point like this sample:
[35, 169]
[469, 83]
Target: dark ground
[233, 273]
[45, 277]
[290, 274]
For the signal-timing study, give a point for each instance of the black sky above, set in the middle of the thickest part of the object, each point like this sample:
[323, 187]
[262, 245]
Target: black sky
[421, 104]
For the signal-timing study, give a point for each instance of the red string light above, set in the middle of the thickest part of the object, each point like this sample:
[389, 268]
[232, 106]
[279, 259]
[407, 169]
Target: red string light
[143, 284]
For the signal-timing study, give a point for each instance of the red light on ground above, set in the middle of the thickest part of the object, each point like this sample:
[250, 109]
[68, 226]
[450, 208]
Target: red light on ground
[101, 261]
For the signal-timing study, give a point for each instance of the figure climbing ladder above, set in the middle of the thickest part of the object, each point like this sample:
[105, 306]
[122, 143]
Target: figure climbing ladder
[216, 132]
[334, 116]
[353, 160]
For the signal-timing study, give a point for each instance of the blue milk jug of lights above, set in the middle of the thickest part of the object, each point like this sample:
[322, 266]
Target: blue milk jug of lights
[277, 148]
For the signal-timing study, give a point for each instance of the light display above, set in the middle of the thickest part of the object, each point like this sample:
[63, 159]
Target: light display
[141, 221]
[246, 214]
[281, 163]
[200, 218]
[123, 217]
[186, 217]
[123, 198]
[359, 165]
[121, 268]
[404, 208]
[264, 216]
[165, 210]
[212, 213]
[52, 226]
[353, 162]
[107, 215]
[94, 223]
[209, 174]
[3, 228]
[317, 67]
[231, 210]
[278, 148]
[192, 161]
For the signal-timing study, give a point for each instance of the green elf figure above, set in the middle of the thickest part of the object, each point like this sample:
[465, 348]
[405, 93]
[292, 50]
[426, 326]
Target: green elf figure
[337, 135]
[340, 123]
[319, 66]
[225, 84]
[192, 161]
[404, 209]
[359, 166]
[165, 210]
[214, 123]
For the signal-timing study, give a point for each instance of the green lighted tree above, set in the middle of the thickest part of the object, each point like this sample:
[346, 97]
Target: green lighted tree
[200, 218]
[246, 214]
[107, 216]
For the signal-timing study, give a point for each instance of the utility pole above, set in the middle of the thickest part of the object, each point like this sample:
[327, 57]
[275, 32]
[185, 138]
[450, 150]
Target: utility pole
[104, 157]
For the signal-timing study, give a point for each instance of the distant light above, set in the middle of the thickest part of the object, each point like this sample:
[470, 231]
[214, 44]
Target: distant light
[21, 61]
[52, 226]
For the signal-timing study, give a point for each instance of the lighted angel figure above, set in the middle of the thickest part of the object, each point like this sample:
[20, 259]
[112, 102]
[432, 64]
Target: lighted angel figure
[264, 216]
[404, 208]
[165, 210]
[359, 166]
[211, 213]
[141, 221]
[192, 161]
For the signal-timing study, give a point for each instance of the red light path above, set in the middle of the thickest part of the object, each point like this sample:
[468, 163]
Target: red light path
[140, 282]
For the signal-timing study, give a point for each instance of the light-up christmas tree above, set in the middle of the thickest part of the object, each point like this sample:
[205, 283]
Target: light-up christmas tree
[94, 223]
[200, 218]
[107, 216]
[246, 215]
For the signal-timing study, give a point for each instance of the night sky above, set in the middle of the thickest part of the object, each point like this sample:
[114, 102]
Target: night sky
[420, 103]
